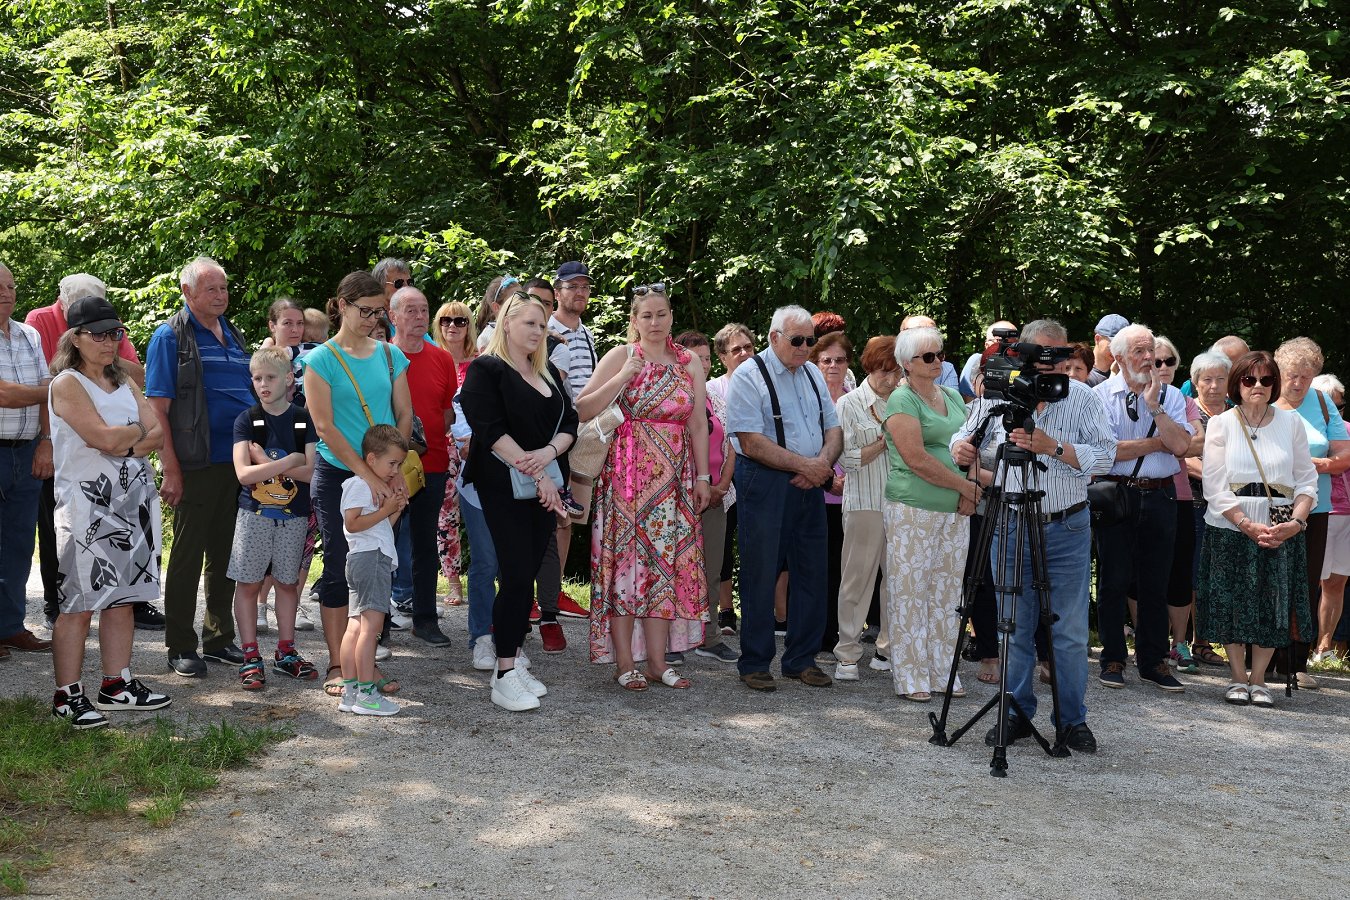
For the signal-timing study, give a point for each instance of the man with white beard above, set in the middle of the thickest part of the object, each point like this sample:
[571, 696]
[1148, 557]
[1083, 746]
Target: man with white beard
[1149, 422]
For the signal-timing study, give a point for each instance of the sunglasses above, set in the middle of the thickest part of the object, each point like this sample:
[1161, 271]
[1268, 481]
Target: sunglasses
[832, 360]
[116, 334]
[400, 282]
[798, 340]
[1169, 362]
[456, 321]
[1252, 381]
[656, 287]
[367, 311]
[931, 357]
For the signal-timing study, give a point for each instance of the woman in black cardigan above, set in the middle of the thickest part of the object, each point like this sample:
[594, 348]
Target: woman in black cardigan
[522, 419]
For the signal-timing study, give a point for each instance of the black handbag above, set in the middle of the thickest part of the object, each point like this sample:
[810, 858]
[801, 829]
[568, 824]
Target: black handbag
[1110, 501]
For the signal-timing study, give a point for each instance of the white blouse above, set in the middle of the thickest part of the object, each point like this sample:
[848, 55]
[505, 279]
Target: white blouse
[1282, 446]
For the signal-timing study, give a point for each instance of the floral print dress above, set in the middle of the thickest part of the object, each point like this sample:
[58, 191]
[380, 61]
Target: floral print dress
[646, 546]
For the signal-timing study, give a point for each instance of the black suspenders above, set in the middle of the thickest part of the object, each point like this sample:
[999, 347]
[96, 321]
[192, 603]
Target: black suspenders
[778, 410]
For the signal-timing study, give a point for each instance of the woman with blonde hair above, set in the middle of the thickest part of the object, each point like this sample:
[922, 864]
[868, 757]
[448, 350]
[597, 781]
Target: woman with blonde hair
[646, 546]
[523, 424]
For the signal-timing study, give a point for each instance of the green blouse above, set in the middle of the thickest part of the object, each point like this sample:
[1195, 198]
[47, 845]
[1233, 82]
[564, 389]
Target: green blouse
[902, 484]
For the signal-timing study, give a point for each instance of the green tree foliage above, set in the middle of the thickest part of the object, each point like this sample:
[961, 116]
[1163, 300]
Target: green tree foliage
[1177, 161]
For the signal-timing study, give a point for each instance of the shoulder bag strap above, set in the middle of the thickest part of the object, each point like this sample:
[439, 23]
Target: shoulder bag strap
[773, 401]
[337, 353]
[1152, 427]
[1251, 445]
[1326, 413]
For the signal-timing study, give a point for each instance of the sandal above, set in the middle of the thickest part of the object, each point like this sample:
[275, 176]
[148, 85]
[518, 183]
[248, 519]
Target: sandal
[988, 671]
[252, 675]
[387, 685]
[671, 679]
[1202, 651]
[1043, 672]
[333, 686]
[1238, 694]
[631, 681]
[918, 697]
[1261, 696]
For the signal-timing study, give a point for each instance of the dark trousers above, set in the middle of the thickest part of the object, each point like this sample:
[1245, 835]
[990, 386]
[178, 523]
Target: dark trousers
[1180, 581]
[203, 530]
[325, 492]
[19, 492]
[521, 531]
[1137, 552]
[422, 512]
[780, 525]
[46, 538]
[548, 582]
[834, 552]
[984, 606]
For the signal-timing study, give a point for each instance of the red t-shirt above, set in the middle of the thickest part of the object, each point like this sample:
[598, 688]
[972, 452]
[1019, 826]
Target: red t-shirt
[432, 380]
[50, 322]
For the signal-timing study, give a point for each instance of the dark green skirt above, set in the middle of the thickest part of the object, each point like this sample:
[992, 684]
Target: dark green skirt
[1244, 593]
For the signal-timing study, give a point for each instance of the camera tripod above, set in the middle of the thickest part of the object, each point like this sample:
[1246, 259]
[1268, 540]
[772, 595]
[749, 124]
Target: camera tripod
[1005, 511]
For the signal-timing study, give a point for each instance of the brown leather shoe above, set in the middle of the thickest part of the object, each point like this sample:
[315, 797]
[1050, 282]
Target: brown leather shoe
[27, 642]
[811, 675]
[4, 653]
[759, 681]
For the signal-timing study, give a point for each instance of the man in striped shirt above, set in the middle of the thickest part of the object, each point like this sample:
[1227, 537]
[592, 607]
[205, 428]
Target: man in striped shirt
[1073, 440]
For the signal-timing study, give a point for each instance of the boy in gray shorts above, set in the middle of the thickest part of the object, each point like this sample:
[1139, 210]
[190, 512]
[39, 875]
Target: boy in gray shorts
[274, 444]
[371, 559]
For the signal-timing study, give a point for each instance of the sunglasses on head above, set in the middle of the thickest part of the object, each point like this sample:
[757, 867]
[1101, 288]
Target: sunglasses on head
[367, 311]
[931, 357]
[656, 287]
[1168, 362]
[457, 321]
[1253, 381]
[800, 339]
[398, 283]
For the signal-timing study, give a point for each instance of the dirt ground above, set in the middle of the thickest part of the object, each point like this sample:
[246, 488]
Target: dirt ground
[722, 792]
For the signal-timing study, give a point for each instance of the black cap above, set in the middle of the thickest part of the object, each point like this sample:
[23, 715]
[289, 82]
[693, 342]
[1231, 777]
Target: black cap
[93, 314]
[569, 270]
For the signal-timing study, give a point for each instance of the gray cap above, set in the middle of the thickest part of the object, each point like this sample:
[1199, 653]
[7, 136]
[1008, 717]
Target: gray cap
[1110, 325]
[78, 286]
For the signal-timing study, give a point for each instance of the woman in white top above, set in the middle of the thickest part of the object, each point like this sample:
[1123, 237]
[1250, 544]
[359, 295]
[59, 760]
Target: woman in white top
[1253, 573]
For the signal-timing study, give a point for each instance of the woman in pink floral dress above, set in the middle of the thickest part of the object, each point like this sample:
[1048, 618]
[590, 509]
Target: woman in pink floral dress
[454, 333]
[648, 589]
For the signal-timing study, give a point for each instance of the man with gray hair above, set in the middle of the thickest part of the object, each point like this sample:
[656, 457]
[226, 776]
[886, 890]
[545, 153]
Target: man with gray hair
[787, 438]
[393, 274]
[1072, 441]
[1150, 427]
[197, 380]
[50, 322]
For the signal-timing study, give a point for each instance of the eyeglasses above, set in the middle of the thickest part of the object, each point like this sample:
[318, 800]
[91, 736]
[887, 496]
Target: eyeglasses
[931, 357]
[116, 334]
[456, 321]
[366, 311]
[1169, 362]
[1253, 381]
[832, 360]
[656, 287]
[798, 340]
[398, 283]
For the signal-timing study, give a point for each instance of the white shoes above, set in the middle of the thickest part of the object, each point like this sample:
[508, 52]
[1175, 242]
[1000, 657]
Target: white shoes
[398, 621]
[511, 693]
[382, 653]
[846, 672]
[879, 663]
[302, 620]
[532, 684]
[521, 659]
[484, 654]
[262, 618]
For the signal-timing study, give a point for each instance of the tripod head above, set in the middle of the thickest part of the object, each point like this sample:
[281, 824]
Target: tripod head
[1014, 415]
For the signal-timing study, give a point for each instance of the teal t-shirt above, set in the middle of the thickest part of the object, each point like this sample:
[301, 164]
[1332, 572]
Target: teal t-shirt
[902, 485]
[1323, 425]
[377, 386]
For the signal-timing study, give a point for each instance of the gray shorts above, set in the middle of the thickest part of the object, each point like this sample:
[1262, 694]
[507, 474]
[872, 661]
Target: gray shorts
[261, 544]
[370, 581]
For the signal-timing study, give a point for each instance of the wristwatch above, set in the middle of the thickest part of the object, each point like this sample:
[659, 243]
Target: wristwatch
[1059, 449]
[1302, 524]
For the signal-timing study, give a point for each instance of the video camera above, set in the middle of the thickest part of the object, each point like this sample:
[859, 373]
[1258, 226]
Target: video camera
[1010, 374]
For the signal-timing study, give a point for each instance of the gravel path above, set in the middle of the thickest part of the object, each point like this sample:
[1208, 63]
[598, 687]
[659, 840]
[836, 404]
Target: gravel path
[721, 792]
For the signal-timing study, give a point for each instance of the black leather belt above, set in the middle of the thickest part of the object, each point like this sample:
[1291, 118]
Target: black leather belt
[1064, 513]
[15, 442]
[1140, 484]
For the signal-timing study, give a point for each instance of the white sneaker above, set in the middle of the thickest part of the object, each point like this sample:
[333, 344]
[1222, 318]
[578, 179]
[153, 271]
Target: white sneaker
[879, 663]
[532, 684]
[398, 621]
[521, 659]
[302, 620]
[846, 672]
[510, 693]
[382, 653]
[262, 618]
[484, 654]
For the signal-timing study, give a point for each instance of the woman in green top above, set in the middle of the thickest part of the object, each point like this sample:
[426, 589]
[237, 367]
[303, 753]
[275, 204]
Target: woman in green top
[926, 498]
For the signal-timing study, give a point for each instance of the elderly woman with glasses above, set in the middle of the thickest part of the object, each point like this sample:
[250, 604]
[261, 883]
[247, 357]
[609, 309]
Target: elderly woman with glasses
[1261, 485]
[1209, 378]
[453, 331]
[926, 496]
[832, 355]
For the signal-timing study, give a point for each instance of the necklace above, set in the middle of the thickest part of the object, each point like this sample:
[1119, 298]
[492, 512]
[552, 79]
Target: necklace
[1248, 422]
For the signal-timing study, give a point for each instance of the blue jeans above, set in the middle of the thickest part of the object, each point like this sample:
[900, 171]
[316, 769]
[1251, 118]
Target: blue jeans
[1068, 551]
[19, 492]
[482, 570]
[779, 524]
[1137, 552]
[418, 561]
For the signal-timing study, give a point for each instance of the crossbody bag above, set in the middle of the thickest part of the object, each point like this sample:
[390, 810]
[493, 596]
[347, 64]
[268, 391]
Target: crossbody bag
[414, 476]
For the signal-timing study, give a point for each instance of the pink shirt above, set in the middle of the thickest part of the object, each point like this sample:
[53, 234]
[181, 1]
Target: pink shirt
[1181, 480]
[50, 324]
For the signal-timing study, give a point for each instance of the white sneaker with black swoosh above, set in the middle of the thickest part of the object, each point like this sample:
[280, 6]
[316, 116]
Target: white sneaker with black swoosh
[131, 695]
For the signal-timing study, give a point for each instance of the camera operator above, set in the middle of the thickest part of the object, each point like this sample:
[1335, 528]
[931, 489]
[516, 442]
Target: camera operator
[1071, 438]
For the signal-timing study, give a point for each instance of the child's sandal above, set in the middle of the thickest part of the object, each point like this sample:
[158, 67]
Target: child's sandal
[252, 675]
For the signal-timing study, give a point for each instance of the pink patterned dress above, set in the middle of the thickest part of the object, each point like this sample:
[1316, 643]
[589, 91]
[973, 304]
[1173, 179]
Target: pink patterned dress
[448, 523]
[646, 546]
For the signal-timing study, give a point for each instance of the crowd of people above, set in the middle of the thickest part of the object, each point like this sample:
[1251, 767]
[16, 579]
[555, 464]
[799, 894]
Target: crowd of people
[845, 504]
